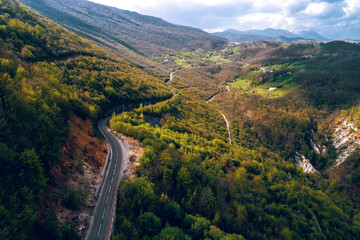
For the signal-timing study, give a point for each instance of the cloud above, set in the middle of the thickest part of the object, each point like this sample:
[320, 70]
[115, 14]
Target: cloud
[332, 18]
[261, 20]
[316, 8]
[351, 7]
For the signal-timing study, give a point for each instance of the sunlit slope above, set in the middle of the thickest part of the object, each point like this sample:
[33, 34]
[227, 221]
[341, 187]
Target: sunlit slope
[47, 74]
[111, 26]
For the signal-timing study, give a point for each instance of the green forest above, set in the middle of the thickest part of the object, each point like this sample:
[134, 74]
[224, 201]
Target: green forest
[196, 186]
[46, 75]
[191, 183]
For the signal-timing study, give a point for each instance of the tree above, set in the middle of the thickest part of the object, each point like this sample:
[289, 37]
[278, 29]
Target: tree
[5, 91]
[49, 228]
[136, 196]
[148, 224]
[69, 233]
[353, 176]
[31, 173]
[172, 233]
[199, 226]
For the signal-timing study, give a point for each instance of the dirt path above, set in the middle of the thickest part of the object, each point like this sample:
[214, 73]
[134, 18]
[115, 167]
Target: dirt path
[226, 120]
[171, 77]
[227, 126]
[212, 98]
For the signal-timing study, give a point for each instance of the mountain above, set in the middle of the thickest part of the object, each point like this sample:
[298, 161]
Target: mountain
[236, 37]
[268, 34]
[309, 34]
[109, 26]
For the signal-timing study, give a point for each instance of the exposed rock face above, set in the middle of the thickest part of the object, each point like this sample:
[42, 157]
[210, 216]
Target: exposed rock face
[317, 145]
[80, 169]
[304, 163]
[346, 140]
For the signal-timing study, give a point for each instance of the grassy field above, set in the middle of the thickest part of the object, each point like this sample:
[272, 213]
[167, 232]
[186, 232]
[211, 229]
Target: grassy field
[244, 84]
[192, 59]
[281, 84]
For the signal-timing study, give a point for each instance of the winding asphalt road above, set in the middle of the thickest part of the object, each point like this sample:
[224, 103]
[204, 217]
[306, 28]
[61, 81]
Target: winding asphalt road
[102, 220]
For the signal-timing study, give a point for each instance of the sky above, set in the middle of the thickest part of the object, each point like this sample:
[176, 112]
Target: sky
[334, 19]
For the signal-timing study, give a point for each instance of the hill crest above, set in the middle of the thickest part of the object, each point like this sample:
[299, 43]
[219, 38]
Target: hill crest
[108, 26]
[269, 34]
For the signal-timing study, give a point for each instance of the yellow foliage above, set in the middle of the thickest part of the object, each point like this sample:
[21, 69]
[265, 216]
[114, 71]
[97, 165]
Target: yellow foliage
[26, 52]
[3, 28]
[21, 73]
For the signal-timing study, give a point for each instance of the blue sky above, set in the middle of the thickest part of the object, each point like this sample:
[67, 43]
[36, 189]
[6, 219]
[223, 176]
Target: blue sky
[334, 19]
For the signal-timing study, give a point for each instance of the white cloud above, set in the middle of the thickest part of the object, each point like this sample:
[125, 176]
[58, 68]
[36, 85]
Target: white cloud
[261, 20]
[209, 2]
[351, 7]
[215, 15]
[213, 30]
[316, 8]
[290, 21]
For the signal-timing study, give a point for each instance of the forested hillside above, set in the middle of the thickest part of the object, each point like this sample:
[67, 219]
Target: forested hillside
[118, 28]
[46, 75]
[291, 112]
[191, 185]
[284, 103]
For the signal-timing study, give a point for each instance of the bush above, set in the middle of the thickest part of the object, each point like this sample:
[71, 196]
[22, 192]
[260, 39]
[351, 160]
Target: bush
[73, 200]
[69, 233]
[353, 177]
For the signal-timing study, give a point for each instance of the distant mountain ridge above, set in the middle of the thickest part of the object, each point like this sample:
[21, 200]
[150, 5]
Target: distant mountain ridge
[109, 26]
[269, 34]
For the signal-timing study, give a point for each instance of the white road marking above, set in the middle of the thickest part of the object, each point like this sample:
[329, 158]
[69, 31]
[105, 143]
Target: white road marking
[111, 137]
[99, 230]
[102, 218]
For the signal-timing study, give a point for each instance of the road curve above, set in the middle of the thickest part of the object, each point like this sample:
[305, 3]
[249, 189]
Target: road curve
[171, 77]
[227, 126]
[101, 222]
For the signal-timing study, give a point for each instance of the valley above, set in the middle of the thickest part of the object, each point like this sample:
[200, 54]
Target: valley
[207, 139]
[265, 127]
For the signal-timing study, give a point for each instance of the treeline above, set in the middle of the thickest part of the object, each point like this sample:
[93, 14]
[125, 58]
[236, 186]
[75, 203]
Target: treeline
[191, 187]
[46, 75]
[333, 78]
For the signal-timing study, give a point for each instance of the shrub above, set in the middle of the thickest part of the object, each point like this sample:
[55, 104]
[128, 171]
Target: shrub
[73, 200]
